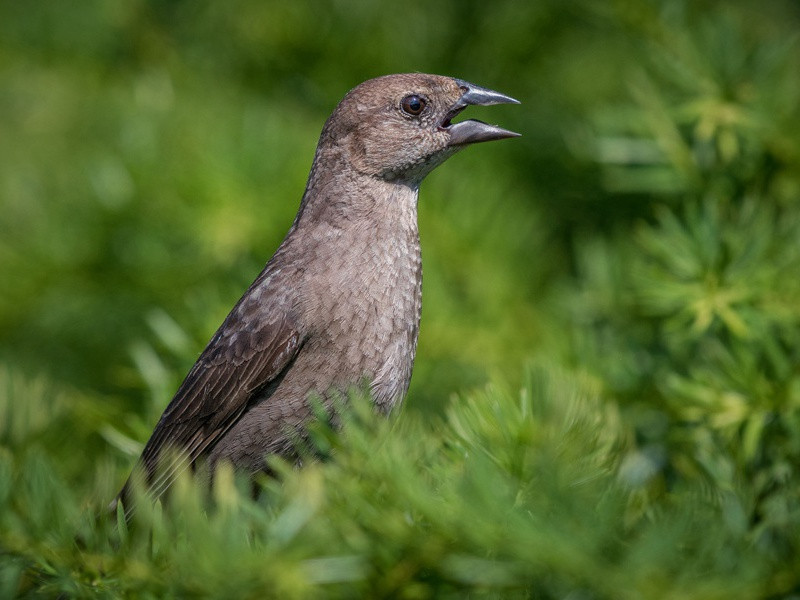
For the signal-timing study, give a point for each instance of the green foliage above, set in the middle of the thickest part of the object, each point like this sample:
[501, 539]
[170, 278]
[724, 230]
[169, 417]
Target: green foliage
[517, 494]
[692, 316]
[638, 249]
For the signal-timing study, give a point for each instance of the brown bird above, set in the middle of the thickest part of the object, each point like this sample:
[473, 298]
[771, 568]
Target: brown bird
[339, 303]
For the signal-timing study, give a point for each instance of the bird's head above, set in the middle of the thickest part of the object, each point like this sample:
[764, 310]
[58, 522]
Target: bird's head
[399, 127]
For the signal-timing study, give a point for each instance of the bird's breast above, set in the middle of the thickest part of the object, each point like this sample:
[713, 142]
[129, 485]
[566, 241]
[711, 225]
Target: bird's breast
[365, 306]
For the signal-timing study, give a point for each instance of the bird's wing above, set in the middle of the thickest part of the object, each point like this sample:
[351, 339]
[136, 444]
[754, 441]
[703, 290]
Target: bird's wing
[254, 344]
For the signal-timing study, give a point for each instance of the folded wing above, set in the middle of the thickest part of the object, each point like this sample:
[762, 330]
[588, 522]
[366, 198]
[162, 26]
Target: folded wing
[252, 347]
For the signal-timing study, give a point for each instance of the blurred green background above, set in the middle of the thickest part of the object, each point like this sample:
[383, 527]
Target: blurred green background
[643, 234]
[152, 156]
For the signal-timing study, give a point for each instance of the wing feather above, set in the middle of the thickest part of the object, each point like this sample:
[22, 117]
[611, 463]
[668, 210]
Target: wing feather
[254, 344]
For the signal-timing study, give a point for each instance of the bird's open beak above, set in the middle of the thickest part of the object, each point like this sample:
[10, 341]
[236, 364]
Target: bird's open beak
[472, 131]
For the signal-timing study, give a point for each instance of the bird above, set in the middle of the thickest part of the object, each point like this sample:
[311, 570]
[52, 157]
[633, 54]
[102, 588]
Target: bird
[339, 303]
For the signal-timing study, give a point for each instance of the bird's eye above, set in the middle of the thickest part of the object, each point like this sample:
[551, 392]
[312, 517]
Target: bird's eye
[413, 104]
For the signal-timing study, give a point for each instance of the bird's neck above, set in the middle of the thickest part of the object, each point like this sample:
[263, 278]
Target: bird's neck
[343, 198]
